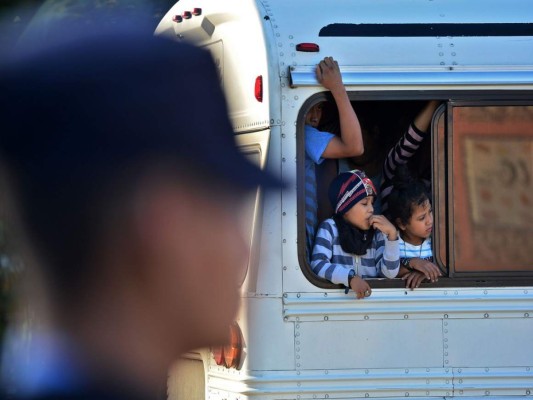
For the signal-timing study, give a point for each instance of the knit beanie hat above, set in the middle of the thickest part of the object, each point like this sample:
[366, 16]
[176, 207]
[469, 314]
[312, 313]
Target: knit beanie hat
[348, 188]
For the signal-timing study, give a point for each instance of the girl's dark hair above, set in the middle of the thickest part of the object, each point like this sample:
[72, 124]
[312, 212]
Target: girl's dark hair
[407, 192]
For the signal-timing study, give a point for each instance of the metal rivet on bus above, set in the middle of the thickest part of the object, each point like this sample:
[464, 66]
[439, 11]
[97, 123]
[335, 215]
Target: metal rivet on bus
[284, 240]
[447, 381]
[445, 323]
[298, 365]
[285, 269]
[297, 349]
[299, 384]
[446, 353]
[366, 371]
[427, 369]
[445, 339]
[367, 395]
[454, 63]
[277, 34]
[451, 45]
[445, 315]
[486, 315]
[297, 343]
[442, 63]
[295, 97]
[456, 292]
[439, 45]
[485, 292]
[278, 121]
[405, 316]
[461, 391]
[292, 44]
[445, 293]
[297, 372]
[446, 362]
[280, 44]
[283, 213]
[281, 54]
[460, 370]
[453, 54]
[285, 319]
[527, 369]
[326, 318]
[526, 315]
[441, 53]
[285, 294]
[406, 394]
[447, 393]
[297, 357]
[406, 371]
[327, 396]
[297, 333]
[526, 292]
[291, 37]
[486, 370]
[325, 295]
[427, 393]
[283, 85]
[427, 381]
[366, 316]
[297, 326]
[326, 372]
[528, 392]
[314, 396]
[487, 392]
[298, 319]
[460, 381]
[445, 330]
[293, 54]
[298, 295]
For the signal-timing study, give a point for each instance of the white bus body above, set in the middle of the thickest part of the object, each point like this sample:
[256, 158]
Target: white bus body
[467, 336]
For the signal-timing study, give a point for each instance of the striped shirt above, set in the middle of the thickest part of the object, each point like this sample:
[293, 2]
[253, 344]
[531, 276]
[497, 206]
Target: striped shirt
[408, 250]
[315, 143]
[331, 262]
[399, 155]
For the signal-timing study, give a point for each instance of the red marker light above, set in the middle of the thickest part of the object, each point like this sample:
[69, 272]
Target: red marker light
[177, 18]
[231, 354]
[258, 90]
[308, 47]
[197, 11]
[187, 14]
[218, 354]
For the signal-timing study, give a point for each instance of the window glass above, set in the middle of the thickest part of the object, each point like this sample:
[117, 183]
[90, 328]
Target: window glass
[492, 184]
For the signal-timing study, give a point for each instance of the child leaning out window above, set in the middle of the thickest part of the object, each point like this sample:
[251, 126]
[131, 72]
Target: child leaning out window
[410, 210]
[355, 244]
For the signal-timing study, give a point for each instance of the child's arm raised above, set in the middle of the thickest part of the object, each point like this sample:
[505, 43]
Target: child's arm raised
[350, 143]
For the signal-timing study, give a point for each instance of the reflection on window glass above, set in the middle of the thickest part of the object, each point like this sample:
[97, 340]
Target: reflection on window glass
[493, 188]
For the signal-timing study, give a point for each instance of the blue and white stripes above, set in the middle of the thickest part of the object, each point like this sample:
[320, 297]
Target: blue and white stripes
[331, 262]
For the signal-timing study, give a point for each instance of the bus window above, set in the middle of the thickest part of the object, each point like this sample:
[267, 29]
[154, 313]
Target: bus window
[490, 199]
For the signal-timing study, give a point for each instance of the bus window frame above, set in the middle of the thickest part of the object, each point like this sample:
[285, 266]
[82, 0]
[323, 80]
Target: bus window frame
[492, 97]
[506, 277]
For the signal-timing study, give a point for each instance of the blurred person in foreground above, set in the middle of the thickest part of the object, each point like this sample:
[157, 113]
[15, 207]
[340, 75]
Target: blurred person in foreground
[125, 181]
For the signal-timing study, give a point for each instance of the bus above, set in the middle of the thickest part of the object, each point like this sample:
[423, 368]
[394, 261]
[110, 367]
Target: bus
[298, 336]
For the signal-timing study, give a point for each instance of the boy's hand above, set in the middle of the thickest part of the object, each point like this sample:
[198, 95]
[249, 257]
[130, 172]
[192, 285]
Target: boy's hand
[413, 279]
[329, 74]
[360, 287]
[381, 223]
[431, 271]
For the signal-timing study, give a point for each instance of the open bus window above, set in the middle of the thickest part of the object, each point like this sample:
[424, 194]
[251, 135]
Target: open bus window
[490, 199]
[383, 123]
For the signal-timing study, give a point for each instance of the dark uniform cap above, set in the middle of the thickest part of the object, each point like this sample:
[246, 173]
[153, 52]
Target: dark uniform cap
[74, 109]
